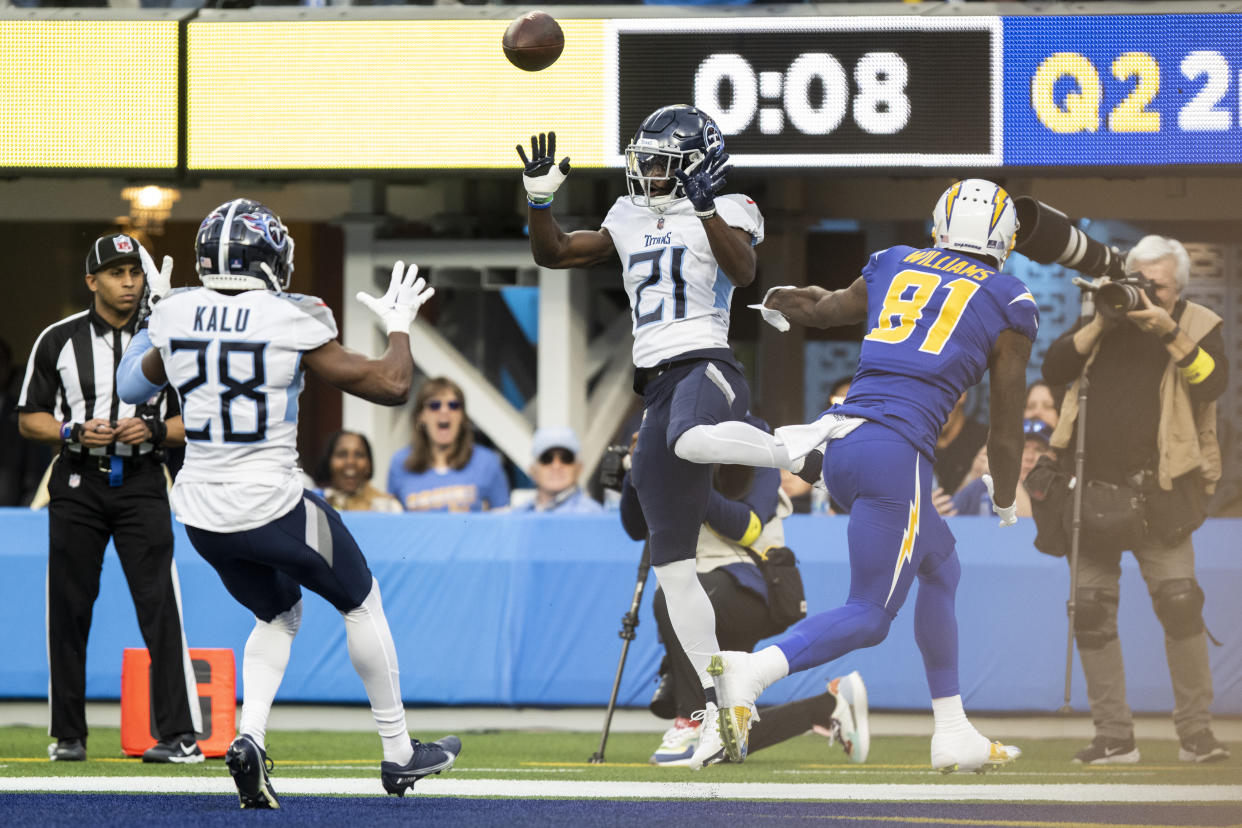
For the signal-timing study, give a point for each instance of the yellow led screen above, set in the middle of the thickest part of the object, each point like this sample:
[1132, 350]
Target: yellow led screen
[385, 94]
[88, 94]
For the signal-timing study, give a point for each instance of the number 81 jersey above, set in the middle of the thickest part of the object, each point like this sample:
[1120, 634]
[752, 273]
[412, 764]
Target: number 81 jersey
[679, 297]
[933, 317]
[236, 362]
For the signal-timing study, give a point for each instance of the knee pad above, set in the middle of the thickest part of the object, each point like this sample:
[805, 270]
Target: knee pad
[1095, 618]
[1179, 606]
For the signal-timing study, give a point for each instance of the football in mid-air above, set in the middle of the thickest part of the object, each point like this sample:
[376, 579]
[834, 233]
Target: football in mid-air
[533, 41]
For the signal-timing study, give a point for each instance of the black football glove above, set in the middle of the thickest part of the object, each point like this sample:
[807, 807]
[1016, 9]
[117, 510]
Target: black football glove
[702, 185]
[541, 175]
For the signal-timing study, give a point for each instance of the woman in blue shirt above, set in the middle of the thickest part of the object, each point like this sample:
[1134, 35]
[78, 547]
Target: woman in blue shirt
[442, 469]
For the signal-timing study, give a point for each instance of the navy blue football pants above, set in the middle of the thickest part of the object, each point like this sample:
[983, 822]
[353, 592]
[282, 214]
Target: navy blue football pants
[265, 568]
[674, 492]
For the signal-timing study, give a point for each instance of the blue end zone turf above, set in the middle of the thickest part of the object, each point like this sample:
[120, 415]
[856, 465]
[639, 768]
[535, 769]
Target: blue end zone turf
[127, 810]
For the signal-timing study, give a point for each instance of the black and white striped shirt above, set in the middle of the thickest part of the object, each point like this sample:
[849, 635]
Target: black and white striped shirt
[71, 375]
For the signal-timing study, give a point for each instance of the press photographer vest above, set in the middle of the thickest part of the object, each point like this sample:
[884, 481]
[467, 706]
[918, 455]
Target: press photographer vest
[1186, 437]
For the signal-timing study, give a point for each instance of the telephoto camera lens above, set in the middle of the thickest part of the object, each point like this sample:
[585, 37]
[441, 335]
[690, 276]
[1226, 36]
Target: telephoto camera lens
[1047, 236]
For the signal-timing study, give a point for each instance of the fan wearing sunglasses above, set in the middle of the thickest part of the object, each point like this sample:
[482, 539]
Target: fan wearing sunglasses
[555, 470]
[442, 469]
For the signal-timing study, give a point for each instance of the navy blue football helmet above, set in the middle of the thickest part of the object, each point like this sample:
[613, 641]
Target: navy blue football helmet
[242, 245]
[671, 138]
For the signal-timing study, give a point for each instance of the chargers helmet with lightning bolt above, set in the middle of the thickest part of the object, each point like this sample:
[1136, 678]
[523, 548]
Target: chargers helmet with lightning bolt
[976, 217]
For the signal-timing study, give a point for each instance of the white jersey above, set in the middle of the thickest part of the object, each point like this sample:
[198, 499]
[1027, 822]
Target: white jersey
[678, 295]
[236, 362]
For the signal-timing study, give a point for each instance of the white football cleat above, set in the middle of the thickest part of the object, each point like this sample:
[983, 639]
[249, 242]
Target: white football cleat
[710, 750]
[800, 440]
[738, 685]
[678, 744]
[969, 752]
[850, 720]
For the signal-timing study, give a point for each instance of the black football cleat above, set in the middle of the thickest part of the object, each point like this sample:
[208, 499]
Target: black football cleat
[249, 765]
[812, 467]
[428, 758]
[178, 750]
[67, 750]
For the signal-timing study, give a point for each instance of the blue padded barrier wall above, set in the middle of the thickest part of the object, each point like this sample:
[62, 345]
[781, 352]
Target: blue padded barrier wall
[525, 610]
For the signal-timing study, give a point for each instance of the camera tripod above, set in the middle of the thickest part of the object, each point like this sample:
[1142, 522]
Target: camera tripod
[629, 622]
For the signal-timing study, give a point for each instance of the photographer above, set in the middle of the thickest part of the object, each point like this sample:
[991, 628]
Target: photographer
[744, 526]
[1155, 365]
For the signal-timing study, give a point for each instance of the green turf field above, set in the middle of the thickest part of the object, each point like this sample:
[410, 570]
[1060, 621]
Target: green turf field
[534, 756]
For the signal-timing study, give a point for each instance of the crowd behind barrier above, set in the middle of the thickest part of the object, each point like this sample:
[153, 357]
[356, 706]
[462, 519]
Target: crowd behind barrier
[525, 610]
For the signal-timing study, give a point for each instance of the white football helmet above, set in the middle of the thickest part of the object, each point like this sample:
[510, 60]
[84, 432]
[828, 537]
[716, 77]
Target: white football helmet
[978, 217]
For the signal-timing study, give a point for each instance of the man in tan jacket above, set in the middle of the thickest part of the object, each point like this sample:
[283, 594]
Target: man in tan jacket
[1154, 374]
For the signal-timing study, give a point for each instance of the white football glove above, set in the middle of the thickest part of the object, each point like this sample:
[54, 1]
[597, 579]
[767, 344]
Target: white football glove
[159, 281]
[406, 294]
[773, 317]
[1008, 514]
[542, 176]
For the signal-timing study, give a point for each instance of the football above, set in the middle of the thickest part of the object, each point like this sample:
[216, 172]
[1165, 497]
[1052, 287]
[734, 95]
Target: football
[533, 41]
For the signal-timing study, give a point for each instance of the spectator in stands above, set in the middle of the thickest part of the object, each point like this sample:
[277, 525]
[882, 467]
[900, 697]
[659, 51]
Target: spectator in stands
[959, 442]
[1042, 403]
[343, 475]
[973, 498]
[442, 469]
[745, 517]
[556, 470]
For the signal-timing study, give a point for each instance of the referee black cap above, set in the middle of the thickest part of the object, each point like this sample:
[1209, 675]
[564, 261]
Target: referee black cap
[110, 249]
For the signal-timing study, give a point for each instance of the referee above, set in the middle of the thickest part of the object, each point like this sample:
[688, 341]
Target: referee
[108, 481]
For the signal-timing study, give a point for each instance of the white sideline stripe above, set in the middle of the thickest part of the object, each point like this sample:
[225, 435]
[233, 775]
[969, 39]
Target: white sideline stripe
[646, 790]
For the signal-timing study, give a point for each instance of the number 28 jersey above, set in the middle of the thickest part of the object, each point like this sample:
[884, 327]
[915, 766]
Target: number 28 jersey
[679, 296]
[933, 317]
[236, 362]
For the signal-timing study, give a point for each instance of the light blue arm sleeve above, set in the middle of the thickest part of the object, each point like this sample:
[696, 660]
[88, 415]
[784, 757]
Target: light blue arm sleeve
[132, 384]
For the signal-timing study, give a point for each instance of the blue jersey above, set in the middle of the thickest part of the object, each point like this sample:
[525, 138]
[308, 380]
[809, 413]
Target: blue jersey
[932, 318]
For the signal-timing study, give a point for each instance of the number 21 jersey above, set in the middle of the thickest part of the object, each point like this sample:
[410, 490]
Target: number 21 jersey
[679, 296]
[236, 362]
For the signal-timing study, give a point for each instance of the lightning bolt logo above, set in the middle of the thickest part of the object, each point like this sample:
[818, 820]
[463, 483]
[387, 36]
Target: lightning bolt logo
[912, 532]
[1000, 200]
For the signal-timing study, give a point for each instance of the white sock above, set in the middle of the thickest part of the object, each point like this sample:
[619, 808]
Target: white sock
[950, 716]
[771, 664]
[374, 656]
[691, 614]
[263, 666]
[734, 442]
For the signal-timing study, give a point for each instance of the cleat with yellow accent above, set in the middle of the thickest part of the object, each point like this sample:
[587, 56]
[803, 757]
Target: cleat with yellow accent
[969, 752]
[738, 685]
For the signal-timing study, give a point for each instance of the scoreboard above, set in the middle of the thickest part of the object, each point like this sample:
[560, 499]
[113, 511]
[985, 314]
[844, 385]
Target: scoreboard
[342, 93]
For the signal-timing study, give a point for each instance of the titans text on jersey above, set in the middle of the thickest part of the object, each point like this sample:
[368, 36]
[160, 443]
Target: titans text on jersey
[679, 296]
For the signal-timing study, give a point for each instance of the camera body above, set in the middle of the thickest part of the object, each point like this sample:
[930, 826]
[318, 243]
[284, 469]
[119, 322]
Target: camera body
[1117, 297]
[613, 466]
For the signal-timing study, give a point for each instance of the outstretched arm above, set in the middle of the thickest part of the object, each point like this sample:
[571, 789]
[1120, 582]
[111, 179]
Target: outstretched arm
[386, 379]
[818, 308]
[551, 246]
[1007, 380]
